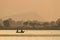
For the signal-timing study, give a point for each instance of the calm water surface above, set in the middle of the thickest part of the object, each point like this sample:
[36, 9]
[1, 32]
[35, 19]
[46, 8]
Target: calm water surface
[31, 32]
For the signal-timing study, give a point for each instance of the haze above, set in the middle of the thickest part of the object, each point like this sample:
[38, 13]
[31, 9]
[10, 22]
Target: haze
[45, 10]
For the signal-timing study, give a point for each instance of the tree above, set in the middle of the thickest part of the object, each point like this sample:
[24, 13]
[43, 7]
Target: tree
[46, 24]
[7, 23]
[58, 21]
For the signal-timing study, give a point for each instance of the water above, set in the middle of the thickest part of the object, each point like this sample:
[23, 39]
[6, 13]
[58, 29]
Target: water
[31, 32]
[29, 38]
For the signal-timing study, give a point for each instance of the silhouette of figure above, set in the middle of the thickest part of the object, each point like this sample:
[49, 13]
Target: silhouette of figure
[20, 31]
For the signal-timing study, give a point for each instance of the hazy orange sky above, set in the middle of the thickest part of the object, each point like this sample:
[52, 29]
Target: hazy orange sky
[45, 10]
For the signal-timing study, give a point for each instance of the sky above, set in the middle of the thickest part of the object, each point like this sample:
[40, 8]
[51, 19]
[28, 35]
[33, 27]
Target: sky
[45, 10]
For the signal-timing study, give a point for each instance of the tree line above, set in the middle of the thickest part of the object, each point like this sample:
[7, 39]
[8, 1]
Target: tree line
[10, 24]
